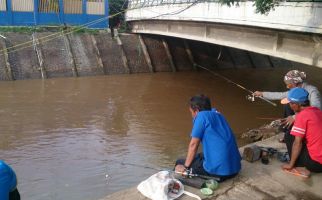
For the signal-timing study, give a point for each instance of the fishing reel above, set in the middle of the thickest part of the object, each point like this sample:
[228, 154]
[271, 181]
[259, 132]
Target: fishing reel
[250, 97]
[188, 173]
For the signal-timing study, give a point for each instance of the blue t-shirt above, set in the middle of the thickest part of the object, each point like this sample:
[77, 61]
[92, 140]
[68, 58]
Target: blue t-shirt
[8, 180]
[221, 155]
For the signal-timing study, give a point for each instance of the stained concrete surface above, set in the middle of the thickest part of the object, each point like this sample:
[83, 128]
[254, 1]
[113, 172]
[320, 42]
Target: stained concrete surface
[255, 181]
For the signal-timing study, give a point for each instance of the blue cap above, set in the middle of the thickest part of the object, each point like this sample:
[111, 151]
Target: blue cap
[297, 95]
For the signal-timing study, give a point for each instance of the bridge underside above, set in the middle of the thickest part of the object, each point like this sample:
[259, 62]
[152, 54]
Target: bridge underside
[299, 47]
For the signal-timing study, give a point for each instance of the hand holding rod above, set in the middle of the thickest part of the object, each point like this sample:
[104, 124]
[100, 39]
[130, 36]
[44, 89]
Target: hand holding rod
[238, 85]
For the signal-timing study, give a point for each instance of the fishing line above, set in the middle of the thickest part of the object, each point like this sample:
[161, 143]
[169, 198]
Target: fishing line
[236, 84]
[188, 174]
[268, 118]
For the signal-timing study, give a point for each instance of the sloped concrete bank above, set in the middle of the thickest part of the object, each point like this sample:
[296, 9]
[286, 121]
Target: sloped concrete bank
[50, 54]
[255, 181]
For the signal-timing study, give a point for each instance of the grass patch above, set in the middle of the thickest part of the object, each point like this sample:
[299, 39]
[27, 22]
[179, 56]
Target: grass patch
[30, 29]
[19, 29]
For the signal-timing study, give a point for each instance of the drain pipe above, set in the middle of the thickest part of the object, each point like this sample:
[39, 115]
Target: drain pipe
[6, 58]
[38, 51]
[124, 58]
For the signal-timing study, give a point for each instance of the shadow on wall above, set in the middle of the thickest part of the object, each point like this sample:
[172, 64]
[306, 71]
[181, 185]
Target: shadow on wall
[34, 56]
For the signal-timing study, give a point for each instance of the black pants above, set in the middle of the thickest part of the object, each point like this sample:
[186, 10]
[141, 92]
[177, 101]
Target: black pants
[14, 195]
[287, 112]
[304, 159]
[197, 168]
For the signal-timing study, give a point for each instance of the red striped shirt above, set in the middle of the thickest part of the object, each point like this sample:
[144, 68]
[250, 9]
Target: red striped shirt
[308, 125]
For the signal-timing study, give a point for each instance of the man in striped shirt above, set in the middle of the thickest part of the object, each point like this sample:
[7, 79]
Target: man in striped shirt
[305, 144]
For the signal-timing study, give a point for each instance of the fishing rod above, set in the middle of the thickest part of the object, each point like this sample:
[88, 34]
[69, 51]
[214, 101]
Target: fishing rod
[187, 173]
[268, 118]
[251, 98]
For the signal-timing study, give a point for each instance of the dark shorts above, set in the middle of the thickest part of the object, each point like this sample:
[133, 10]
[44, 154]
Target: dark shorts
[197, 168]
[14, 195]
[304, 159]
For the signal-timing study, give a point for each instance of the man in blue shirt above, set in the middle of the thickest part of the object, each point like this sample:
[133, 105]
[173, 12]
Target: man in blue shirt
[220, 157]
[8, 183]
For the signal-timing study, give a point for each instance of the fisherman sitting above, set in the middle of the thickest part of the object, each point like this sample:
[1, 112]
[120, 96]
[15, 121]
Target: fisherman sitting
[8, 183]
[293, 79]
[305, 142]
[220, 157]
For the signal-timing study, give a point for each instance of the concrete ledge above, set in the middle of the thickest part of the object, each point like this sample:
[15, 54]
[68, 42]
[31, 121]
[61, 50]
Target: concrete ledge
[255, 181]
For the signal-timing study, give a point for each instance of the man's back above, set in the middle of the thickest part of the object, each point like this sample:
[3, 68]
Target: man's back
[219, 146]
[308, 124]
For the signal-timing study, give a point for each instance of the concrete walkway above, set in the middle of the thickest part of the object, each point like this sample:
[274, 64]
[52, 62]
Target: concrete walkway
[255, 181]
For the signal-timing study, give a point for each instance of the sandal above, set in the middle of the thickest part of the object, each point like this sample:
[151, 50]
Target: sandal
[298, 172]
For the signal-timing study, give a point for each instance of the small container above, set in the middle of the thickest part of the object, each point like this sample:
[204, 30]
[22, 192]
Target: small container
[265, 159]
[252, 153]
[211, 184]
[206, 191]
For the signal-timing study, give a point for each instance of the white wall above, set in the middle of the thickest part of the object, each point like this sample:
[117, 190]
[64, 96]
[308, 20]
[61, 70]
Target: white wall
[292, 16]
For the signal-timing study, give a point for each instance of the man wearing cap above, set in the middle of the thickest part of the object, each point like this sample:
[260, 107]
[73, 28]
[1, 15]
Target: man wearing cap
[8, 183]
[304, 145]
[292, 79]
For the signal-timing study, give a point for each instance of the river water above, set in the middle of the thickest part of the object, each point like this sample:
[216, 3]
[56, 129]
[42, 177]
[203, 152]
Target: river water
[84, 138]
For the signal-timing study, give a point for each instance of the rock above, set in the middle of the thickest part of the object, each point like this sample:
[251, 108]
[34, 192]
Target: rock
[263, 132]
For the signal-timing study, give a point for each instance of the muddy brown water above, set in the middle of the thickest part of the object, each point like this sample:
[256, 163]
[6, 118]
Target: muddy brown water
[71, 138]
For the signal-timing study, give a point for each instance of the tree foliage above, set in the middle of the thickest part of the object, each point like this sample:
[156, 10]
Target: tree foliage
[262, 6]
[115, 7]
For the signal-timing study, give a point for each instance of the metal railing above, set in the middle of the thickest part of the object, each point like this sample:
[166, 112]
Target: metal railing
[36, 12]
[149, 3]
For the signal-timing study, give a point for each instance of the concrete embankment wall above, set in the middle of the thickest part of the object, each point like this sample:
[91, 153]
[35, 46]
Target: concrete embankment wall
[53, 54]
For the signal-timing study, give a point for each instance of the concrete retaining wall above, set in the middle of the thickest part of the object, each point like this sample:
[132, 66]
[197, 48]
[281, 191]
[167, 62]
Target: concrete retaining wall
[22, 59]
[157, 53]
[53, 54]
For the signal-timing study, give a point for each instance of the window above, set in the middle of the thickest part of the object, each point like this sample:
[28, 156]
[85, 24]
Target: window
[48, 6]
[95, 7]
[73, 6]
[22, 5]
[3, 6]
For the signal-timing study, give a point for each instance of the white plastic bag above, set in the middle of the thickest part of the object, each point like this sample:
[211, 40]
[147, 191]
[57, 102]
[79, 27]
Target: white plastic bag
[161, 186]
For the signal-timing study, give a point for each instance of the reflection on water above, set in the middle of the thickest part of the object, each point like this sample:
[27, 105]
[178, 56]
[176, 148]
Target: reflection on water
[63, 136]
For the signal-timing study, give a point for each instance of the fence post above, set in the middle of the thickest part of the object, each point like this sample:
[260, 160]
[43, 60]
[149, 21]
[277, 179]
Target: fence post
[84, 11]
[9, 11]
[36, 12]
[106, 12]
[61, 12]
